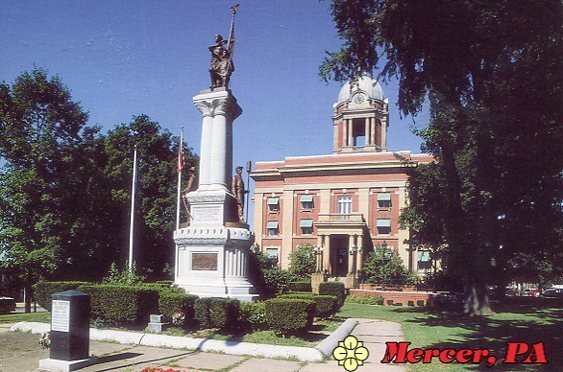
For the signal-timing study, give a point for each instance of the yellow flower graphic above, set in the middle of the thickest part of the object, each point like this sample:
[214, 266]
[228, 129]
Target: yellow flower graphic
[350, 353]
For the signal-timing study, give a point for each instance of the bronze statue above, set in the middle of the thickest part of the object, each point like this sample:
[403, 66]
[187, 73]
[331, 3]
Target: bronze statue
[222, 66]
[186, 190]
[238, 192]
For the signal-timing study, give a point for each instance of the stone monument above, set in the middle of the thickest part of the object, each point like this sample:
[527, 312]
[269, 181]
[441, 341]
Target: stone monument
[212, 252]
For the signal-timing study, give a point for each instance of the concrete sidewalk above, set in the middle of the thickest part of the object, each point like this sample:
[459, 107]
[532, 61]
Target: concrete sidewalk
[20, 352]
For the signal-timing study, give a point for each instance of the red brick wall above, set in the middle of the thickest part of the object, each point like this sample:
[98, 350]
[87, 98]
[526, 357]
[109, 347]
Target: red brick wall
[396, 297]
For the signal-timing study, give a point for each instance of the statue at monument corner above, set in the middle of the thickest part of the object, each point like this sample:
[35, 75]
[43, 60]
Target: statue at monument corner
[186, 190]
[222, 66]
[238, 192]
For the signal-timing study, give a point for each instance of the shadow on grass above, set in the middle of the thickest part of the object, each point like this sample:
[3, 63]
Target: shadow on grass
[516, 321]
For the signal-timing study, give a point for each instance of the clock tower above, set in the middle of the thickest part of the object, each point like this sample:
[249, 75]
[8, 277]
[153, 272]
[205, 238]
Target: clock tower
[360, 117]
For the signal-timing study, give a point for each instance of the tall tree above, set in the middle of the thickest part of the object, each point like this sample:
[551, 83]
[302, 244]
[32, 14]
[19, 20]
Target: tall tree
[156, 189]
[491, 71]
[41, 133]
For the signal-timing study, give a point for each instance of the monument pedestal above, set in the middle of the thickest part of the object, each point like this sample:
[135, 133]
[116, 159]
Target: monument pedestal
[212, 253]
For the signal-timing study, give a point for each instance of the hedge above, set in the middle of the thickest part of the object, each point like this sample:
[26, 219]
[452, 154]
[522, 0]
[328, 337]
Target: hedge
[217, 312]
[334, 289]
[119, 305]
[252, 314]
[43, 291]
[300, 286]
[171, 303]
[290, 315]
[325, 305]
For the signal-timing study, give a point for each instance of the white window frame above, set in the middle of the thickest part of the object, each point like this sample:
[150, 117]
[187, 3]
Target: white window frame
[344, 204]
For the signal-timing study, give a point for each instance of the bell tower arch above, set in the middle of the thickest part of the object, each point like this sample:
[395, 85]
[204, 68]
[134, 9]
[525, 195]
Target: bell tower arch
[360, 118]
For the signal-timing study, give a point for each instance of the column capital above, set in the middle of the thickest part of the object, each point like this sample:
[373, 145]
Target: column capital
[218, 103]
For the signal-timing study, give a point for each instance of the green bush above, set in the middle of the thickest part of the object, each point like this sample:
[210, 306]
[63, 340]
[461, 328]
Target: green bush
[171, 303]
[300, 286]
[334, 289]
[217, 312]
[252, 314]
[325, 305]
[302, 262]
[165, 283]
[290, 315]
[43, 291]
[127, 276]
[277, 280]
[366, 300]
[119, 305]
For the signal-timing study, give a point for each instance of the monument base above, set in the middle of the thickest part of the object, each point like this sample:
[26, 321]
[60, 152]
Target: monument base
[211, 261]
[66, 365]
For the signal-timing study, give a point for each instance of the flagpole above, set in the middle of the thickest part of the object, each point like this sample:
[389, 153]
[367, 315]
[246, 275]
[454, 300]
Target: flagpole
[180, 152]
[133, 189]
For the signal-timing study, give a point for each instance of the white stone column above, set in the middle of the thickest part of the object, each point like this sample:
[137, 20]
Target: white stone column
[373, 131]
[350, 134]
[384, 133]
[345, 133]
[205, 151]
[367, 130]
[326, 253]
[350, 257]
[219, 109]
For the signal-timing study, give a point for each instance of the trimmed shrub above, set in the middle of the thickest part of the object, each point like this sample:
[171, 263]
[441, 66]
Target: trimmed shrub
[334, 289]
[43, 291]
[165, 283]
[300, 286]
[217, 312]
[368, 300]
[252, 314]
[325, 305]
[276, 280]
[290, 315]
[171, 303]
[118, 305]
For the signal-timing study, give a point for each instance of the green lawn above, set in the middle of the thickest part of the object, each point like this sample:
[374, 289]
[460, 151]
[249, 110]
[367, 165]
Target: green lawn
[515, 321]
[43, 317]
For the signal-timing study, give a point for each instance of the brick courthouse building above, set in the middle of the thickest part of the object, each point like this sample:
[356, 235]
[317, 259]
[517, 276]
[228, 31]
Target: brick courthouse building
[347, 202]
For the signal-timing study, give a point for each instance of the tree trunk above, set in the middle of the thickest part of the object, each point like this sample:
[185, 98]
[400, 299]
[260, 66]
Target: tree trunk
[28, 295]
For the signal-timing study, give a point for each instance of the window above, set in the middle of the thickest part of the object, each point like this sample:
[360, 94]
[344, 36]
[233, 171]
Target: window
[273, 205]
[272, 252]
[384, 226]
[273, 228]
[344, 205]
[384, 200]
[423, 260]
[306, 227]
[306, 202]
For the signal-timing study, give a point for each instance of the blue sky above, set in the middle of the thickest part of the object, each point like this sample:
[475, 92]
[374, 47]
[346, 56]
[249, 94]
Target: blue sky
[123, 58]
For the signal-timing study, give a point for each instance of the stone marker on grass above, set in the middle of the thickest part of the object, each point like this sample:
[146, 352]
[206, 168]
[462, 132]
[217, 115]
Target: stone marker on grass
[70, 332]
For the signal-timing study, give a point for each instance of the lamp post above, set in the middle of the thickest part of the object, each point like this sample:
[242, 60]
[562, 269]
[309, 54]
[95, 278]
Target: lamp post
[318, 250]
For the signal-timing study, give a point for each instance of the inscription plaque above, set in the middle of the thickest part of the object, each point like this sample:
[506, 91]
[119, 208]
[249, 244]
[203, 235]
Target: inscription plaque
[60, 315]
[206, 214]
[204, 261]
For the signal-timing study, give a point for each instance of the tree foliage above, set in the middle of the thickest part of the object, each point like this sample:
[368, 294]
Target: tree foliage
[490, 71]
[302, 262]
[65, 186]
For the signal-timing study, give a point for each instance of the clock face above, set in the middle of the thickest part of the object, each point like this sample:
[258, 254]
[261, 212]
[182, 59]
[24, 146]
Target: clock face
[359, 98]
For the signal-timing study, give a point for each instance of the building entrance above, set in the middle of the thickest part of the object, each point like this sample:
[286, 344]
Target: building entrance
[339, 254]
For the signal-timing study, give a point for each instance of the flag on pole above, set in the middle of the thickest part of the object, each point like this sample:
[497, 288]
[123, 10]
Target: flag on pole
[180, 157]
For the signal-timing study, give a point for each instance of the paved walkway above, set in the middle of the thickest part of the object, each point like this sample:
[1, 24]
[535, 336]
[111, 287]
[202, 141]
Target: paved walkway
[20, 352]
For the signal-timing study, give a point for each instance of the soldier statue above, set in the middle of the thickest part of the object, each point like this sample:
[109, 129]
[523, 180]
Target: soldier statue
[222, 66]
[238, 192]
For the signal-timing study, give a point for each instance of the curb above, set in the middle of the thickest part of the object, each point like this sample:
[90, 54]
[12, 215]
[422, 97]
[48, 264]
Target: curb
[305, 354]
[327, 345]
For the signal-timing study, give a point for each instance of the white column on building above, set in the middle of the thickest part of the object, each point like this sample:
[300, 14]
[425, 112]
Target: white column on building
[384, 133]
[359, 258]
[373, 131]
[326, 253]
[345, 133]
[351, 244]
[367, 131]
[350, 132]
